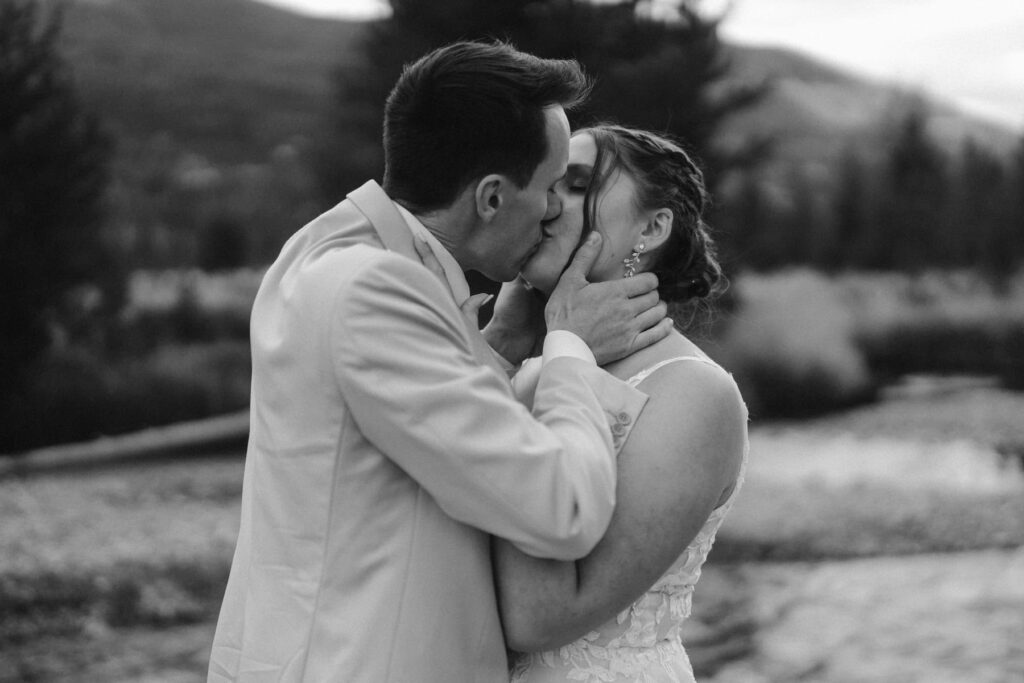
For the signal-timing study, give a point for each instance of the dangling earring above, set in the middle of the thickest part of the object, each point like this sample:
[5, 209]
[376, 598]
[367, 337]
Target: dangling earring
[633, 261]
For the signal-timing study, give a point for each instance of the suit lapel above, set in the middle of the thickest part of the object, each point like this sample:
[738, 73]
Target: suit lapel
[371, 200]
[385, 219]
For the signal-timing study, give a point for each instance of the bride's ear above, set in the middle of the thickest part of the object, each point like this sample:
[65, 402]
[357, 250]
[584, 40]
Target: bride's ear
[658, 228]
[489, 196]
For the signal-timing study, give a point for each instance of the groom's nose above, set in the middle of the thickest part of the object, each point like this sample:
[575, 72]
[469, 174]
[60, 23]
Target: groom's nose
[554, 205]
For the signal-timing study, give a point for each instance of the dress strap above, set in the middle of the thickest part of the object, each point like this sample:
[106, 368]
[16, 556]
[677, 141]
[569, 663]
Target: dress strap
[647, 372]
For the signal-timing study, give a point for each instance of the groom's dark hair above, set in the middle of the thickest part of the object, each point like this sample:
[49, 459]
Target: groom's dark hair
[469, 109]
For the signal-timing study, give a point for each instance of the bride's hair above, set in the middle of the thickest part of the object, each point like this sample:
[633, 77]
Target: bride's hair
[666, 176]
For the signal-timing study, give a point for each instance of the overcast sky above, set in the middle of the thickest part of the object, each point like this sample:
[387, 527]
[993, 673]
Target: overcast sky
[971, 53]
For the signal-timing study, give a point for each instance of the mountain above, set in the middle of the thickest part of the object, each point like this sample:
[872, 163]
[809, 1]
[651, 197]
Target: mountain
[232, 79]
[229, 79]
[816, 112]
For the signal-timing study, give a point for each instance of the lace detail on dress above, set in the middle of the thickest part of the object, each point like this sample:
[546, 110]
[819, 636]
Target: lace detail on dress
[642, 643]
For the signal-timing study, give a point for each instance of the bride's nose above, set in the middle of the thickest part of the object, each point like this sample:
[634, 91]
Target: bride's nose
[554, 205]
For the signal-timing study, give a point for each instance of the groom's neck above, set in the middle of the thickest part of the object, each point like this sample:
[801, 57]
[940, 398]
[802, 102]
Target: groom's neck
[451, 226]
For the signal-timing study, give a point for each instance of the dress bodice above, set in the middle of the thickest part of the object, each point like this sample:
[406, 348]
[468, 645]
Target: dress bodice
[642, 643]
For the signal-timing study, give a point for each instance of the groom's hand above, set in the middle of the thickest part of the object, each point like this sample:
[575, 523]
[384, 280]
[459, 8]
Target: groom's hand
[614, 318]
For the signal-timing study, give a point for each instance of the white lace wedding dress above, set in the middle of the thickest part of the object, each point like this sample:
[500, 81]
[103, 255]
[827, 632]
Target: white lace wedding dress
[642, 644]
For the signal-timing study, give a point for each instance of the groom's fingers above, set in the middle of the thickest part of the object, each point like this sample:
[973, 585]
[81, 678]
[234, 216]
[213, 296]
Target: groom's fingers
[650, 316]
[471, 306]
[584, 258]
[628, 288]
[652, 335]
[644, 302]
[639, 284]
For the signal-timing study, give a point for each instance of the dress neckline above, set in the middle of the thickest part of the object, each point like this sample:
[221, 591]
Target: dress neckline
[650, 370]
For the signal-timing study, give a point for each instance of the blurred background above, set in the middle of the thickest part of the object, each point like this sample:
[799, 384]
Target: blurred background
[867, 166]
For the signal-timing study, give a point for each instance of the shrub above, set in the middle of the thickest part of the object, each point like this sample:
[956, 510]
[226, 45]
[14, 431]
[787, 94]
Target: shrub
[801, 343]
[75, 396]
[939, 323]
[790, 346]
[184, 307]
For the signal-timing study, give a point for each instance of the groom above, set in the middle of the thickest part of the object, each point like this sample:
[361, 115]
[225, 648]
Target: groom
[385, 444]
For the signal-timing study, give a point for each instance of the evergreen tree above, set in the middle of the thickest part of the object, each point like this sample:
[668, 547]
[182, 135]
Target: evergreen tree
[650, 72]
[977, 237]
[808, 236]
[759, 225]
[913, 203]
[744, 222]
[1013, 216]
[53, 172]
[851, 215]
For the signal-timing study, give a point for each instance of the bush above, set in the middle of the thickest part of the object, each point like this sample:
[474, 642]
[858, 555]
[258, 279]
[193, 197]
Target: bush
[802, 343]
[75, 396]
[184, 307]
[940, 323]
[790, 346]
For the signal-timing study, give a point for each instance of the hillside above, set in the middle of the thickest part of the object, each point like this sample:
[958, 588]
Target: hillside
[816, 112]
[231, 79]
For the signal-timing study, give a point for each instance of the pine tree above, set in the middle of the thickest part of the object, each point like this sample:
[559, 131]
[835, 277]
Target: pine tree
[1013, 221]
[977, 236]
[650, 73]
[913, 202]
[851, 209]
[53, 173]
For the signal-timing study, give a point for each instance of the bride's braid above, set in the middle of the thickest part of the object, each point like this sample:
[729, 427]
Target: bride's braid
[687, 265]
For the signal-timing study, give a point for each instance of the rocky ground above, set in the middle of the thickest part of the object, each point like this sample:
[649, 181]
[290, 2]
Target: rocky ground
[936, 618]
[826, 570]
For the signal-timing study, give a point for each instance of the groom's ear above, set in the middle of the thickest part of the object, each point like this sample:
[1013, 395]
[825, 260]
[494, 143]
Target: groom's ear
[489, 196]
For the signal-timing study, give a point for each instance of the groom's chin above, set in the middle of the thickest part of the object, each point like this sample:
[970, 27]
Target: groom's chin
[507, 273]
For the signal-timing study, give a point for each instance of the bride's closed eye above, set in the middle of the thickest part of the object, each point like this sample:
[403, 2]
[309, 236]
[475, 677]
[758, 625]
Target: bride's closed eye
[577, 178]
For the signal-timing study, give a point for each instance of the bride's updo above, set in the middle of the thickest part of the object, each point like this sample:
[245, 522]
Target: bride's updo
[665, 175]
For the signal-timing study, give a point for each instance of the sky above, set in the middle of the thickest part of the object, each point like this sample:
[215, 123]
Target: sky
[969, 53]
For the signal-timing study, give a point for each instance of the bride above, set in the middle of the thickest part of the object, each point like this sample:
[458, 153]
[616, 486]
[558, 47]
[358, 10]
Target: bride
[616, 614]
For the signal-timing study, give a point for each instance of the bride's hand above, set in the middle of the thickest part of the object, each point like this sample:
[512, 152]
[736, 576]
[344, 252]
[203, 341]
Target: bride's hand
[470, 308]
[516, 329]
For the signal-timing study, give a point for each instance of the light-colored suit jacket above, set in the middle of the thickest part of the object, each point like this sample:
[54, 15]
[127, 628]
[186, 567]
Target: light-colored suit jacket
[385, 446]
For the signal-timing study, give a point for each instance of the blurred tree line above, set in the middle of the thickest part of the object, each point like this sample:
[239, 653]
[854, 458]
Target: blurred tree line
[79, 208]
[916, 207]
[656, 65]
[54, 169]
[664, 68]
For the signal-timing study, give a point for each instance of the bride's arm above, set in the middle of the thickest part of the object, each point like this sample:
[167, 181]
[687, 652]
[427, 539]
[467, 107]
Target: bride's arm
[683, 453]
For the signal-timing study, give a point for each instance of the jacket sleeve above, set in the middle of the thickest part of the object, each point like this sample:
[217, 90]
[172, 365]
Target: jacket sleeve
[405, 365]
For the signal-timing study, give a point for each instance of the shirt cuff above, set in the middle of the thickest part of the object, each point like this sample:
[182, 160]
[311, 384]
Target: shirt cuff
[564, 343]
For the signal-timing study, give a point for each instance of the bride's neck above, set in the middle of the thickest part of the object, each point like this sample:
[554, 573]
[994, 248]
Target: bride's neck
[675, 344]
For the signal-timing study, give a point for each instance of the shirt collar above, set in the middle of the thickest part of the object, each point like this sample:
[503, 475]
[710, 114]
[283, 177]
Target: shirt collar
[453, 272]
